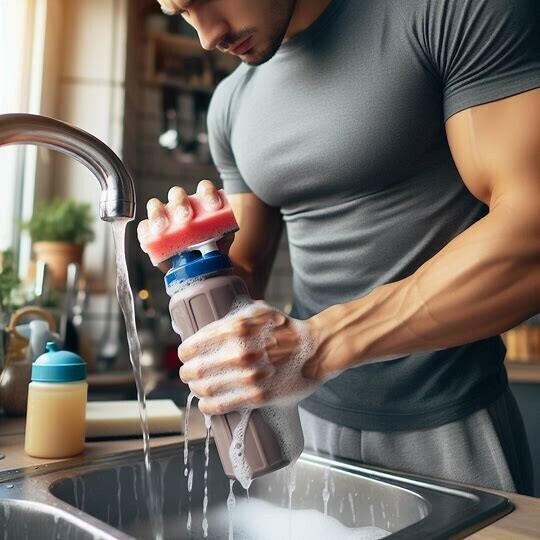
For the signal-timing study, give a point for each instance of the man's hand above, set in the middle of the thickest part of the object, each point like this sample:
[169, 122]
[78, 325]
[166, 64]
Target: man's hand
[254, 357]
[179, 205]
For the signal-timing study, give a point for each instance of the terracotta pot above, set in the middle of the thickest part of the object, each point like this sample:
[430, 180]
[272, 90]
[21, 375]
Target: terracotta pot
[57, 256]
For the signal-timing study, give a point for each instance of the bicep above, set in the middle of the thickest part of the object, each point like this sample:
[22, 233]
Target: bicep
[496, 148]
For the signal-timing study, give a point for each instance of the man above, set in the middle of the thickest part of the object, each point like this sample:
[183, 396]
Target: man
[399, 140]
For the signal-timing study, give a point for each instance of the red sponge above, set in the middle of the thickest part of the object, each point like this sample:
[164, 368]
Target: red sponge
[180, 235]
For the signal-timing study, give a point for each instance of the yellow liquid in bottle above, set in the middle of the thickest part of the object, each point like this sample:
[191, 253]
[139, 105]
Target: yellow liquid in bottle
[56, 419]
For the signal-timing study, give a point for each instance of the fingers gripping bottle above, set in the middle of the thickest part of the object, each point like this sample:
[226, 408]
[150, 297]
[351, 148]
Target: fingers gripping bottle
[203, 289]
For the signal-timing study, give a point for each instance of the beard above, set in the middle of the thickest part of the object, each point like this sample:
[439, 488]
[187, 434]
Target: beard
[283, 15]
[256, 58]
[281, 18]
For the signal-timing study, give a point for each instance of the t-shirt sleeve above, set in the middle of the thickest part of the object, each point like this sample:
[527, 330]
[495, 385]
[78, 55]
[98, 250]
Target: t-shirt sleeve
[481, 50]
[220, 142]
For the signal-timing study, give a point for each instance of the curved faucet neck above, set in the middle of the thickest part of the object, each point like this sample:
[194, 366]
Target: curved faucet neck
[117, 190]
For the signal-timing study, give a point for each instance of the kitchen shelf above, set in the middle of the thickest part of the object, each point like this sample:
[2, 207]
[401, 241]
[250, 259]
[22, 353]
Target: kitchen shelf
[164, 80]
[180, 62]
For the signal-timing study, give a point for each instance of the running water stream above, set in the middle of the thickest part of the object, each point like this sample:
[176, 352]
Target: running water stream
[125, 299]
[231, 503]
[291, 486]
[326, 491]
[207, 423]
[188, 472]
[186, 428]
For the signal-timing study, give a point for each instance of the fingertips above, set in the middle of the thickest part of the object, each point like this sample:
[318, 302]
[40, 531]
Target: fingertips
[179, 205]
[209, 195]
[157, 215]
[223, 404]
[212, 402]
[192, 371]
[143, 230]
[207, 407]
[187, 351]
[182, 356]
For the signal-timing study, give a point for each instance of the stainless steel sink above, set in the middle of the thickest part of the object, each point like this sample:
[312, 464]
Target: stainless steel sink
[104, 498]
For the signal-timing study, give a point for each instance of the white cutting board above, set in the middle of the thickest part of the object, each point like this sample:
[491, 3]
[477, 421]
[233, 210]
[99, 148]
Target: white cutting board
[121, 418]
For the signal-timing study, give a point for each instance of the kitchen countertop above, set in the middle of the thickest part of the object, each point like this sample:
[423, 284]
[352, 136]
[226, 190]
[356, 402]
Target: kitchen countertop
[521, 524]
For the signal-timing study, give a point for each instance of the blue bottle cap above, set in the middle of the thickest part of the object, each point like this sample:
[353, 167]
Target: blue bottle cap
[57, 366]
[191, 264]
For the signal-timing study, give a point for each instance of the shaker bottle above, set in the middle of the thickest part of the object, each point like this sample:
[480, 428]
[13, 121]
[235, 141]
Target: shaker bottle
[203, 288]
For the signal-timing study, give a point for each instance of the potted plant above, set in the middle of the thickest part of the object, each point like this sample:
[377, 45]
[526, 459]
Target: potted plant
[9, 280]
[60, 229]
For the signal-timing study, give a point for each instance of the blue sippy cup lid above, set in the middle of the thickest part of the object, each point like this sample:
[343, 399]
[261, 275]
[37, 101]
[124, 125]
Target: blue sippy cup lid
[57, 366]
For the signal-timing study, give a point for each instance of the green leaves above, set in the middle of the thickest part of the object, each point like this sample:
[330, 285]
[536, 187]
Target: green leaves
[61, 220]
[9, 280]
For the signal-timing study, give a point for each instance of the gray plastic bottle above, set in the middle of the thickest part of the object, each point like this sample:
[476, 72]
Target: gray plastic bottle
[202, 290]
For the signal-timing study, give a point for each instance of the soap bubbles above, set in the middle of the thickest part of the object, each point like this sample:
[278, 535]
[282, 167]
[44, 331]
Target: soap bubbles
[253, 357]
[254, 338]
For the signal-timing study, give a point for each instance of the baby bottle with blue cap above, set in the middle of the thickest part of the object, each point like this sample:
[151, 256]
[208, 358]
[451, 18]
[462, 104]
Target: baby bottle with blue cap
[203, 289]
[56, 413]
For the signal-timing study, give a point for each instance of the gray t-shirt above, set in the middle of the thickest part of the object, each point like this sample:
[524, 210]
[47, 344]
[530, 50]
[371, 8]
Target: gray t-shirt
[343, 130]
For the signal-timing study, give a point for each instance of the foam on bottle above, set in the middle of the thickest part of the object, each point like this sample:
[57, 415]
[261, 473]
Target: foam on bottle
[286, 388]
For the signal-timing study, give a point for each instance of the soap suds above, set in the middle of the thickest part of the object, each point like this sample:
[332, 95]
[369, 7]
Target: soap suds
[259, 520]
[284, 389]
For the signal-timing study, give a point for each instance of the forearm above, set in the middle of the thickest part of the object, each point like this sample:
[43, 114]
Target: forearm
[254, 266]
[255, 277]
[255, 244]
[256, 273]
[482, 283]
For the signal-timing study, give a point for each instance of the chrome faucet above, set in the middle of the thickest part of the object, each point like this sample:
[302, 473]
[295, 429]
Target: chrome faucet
[117, 190]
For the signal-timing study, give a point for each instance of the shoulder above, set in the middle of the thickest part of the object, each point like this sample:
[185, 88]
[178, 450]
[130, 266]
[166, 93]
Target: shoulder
[438, 11]
[450, 32]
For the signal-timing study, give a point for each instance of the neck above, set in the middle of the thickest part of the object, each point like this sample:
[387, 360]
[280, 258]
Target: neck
[305, 13]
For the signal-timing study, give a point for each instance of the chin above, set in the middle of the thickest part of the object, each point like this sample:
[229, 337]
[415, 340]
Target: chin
[256, 58]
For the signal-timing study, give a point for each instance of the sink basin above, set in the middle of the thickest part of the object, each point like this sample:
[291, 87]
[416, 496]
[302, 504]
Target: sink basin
[104, 498]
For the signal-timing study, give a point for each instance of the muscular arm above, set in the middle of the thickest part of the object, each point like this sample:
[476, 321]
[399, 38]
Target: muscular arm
[255, 244]
[484, 281]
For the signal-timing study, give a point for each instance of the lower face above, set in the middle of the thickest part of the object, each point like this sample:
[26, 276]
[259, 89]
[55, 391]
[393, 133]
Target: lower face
[269, 32]
[263, 23]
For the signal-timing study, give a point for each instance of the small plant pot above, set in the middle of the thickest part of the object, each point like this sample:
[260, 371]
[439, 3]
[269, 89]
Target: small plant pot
[57, 256]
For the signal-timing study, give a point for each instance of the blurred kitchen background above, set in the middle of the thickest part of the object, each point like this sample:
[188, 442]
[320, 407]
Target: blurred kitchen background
[140, 82]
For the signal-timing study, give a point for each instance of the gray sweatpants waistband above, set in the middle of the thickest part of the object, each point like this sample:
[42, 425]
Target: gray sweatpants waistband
[487, 448]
